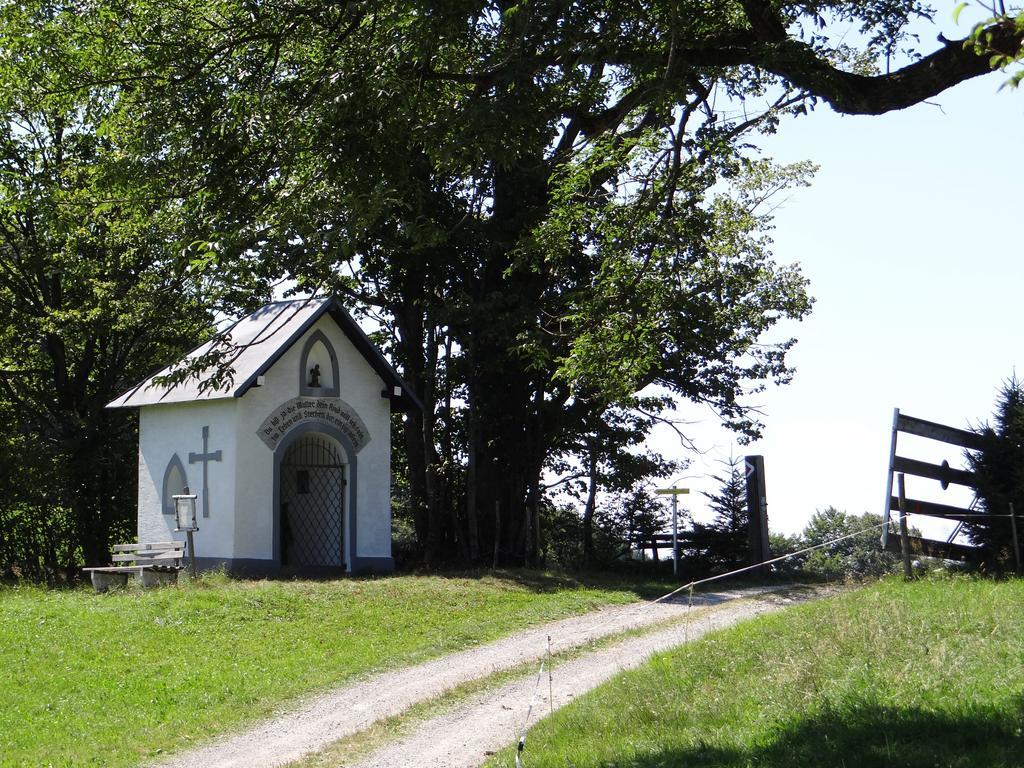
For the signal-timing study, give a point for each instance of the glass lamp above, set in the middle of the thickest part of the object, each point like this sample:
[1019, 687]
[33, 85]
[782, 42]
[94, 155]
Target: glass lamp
[185, 511]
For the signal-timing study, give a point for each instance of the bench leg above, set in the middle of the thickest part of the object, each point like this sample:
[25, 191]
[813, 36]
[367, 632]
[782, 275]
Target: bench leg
[102, 582]
[150, 578]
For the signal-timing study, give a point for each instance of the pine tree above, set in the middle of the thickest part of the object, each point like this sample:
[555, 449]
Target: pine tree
[725, 541]
[999, 473]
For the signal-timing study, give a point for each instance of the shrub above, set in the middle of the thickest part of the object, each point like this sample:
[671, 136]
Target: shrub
[858, 557]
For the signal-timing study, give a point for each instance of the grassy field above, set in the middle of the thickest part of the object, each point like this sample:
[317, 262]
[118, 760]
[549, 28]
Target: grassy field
[115, 679]
[921, 675]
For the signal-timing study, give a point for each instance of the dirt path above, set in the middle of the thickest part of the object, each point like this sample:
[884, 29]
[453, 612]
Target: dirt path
[340, 713]
[465, 736]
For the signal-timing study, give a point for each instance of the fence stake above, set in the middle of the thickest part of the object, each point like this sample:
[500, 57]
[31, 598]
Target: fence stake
[908, 572]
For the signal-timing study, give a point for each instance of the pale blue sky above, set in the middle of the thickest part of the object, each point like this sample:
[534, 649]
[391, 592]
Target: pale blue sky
[911, 238]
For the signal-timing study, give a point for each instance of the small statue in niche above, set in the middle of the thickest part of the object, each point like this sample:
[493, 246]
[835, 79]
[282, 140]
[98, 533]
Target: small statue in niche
[314, 376]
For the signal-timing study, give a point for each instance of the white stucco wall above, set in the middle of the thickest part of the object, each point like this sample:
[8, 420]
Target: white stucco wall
[178, 428]
[241, 485]
[360, 388]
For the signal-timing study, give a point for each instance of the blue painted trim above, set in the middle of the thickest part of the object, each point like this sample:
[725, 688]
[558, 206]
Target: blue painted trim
[359, 340]
[374, 565]
[257, 567]
[304, 388]
[240, 566]
[350, 513]
[373, 355]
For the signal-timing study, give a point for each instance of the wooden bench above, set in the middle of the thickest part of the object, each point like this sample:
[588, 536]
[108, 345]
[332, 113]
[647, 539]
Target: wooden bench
[153, 564]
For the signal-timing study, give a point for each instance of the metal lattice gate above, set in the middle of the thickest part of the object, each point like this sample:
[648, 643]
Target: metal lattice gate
[313, 503]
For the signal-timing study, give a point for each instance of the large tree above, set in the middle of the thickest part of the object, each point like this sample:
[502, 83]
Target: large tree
[96, 290]
[549, 206]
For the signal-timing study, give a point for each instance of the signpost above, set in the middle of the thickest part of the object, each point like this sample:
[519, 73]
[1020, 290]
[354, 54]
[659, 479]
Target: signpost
[674, 493]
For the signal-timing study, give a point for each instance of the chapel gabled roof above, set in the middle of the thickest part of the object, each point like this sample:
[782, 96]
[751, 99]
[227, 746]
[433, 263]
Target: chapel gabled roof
[257, 341]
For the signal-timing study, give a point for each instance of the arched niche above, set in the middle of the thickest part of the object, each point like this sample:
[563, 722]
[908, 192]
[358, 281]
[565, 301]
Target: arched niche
[318, 372]
[175, 483]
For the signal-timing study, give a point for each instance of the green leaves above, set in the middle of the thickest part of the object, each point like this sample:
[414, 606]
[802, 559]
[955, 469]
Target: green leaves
[999, 38]
[93, 282]
[683, 302]
[957, 11]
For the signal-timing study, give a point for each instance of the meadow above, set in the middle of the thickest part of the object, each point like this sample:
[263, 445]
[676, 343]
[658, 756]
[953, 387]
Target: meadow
[924, 674]
[119, 678]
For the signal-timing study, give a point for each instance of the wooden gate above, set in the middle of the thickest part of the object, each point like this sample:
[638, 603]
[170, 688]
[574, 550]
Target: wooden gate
[943, 473]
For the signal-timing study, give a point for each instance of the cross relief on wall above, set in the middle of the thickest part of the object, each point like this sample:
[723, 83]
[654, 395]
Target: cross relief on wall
[205, 457]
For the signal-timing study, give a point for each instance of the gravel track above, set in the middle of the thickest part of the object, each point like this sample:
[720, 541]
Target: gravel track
[487, 722]
[465, 736]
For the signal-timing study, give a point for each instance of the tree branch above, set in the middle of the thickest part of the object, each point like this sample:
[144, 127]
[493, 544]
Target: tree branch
[874, 95]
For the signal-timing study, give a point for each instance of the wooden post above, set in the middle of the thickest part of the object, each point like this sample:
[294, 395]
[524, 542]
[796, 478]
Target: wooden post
[675, 535]
[497, 531]
[888, 482]
[908, 572]
[1016, 541]
[191, 554]
[674, 493]
[757, 513]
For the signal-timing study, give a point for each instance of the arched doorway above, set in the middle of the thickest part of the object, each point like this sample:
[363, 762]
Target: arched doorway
[313, 482]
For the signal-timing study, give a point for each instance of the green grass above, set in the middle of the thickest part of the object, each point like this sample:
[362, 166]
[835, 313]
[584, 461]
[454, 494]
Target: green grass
[921, 675]
[114, 679]
[359, 745]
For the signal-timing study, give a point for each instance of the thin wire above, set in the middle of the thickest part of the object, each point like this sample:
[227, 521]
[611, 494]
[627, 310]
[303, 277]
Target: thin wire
[551, 698]
[803, 551]
[529, 712]
[686, 627]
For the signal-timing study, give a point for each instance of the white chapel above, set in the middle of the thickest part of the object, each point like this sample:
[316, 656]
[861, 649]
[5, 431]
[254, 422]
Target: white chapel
[290, 458]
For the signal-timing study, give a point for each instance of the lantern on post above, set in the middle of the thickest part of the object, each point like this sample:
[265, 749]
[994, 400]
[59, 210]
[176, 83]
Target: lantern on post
[185, 516]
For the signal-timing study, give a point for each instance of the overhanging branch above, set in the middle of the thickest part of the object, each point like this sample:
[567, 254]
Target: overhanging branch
[873, 95]
[852, 93]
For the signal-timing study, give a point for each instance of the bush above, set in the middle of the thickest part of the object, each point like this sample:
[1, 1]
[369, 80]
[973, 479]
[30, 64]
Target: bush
[780, 544]
[38, 543]
[561, 536]
[858, 557]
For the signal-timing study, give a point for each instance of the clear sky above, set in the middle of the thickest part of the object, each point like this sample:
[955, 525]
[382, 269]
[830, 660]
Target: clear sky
[911, 236]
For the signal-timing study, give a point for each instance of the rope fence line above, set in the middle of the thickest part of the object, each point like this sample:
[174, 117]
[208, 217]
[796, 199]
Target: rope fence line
[643, 605]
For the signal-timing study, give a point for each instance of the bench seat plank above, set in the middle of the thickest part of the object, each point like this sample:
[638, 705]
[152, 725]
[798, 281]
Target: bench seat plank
[145, 557]
[133, 568]
[147, 547]
[153, 563]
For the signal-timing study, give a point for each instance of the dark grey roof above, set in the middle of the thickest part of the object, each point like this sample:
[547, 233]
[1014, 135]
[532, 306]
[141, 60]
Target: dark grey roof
[256, 342]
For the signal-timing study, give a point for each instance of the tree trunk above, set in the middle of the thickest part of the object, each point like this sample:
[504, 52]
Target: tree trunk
[590, 508]
[445, 496]
[472, 439]
[435, 533]
[411, 343]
